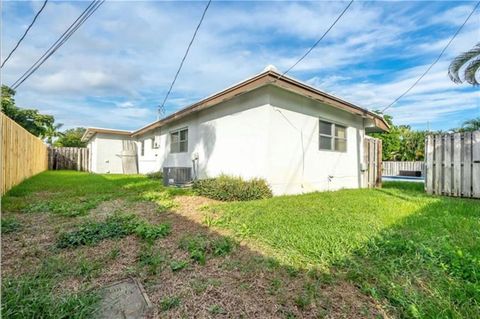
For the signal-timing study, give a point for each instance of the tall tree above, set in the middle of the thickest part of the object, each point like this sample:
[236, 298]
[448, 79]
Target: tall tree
[36, 123]
[52, 132]
[71, 138]
[470, 125]
[472, 61]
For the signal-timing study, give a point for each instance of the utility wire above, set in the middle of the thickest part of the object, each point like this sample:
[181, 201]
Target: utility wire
[434, 62]
[317, 42]
[161, 108]
[25, 33]
[92, 7]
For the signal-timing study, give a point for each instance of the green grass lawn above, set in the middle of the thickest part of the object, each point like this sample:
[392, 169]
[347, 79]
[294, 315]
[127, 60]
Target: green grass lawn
[417, 255]
[70, 193]
[421, 254]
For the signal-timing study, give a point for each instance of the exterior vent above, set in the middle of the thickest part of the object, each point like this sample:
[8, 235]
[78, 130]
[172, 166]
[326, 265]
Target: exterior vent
[177, 175]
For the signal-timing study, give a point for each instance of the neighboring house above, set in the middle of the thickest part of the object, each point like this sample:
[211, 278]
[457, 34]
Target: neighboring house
[296, 137]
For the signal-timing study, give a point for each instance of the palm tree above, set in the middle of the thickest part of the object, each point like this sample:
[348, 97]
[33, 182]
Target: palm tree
[471, 125]
[472, 58]
[51, 132]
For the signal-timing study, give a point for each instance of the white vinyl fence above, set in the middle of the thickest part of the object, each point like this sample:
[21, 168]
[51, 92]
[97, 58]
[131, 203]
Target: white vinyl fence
[453, 164]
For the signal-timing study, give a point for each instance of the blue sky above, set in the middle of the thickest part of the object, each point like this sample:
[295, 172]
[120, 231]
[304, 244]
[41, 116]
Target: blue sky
[117, 68]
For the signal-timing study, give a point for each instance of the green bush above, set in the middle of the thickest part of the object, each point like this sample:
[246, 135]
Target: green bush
[231, 188]
[155, 175]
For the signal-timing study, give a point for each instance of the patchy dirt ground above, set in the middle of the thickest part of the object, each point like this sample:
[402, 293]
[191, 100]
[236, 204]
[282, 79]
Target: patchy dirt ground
[242, 284]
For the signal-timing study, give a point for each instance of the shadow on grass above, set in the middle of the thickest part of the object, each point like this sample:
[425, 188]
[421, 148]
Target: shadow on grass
[427, 265]
[212, 278]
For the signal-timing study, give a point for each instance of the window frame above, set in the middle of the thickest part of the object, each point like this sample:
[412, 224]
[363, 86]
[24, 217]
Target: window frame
[178, 131]
[332, 136]
[142, 147]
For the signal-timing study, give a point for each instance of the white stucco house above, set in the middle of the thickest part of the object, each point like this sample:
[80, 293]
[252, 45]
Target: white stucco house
[296, 137]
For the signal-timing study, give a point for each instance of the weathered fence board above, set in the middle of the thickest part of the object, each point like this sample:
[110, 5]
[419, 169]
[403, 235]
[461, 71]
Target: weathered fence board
[372, 153]
[73, 158]
[457, 169]
[476, 164]
[453, 164]
[393, 168]
[22, 154]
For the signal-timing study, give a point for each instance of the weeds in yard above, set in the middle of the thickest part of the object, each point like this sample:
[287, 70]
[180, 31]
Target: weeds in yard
[10, 225]
[32, 295]
[177, 265]
[168, 303]
[199, 246]
[116, 226]
[114, 253]
[66, 207]
[200, 285]
[275, 285]
[152, 259]
[91, 233]
[150, 232]
[163, 199]
[216, 310]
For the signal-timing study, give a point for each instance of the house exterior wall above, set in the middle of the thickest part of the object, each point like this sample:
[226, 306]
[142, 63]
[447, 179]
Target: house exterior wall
[229, 138]
[296, 163]
[106, 150]
[269, 133]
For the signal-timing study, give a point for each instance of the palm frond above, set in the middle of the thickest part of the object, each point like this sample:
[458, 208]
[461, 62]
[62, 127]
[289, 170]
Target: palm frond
[459, 61]
[471, 71]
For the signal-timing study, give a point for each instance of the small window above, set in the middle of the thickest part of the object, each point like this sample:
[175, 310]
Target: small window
[142, 148]
[154, 144]
[179, 141]
[333, 137]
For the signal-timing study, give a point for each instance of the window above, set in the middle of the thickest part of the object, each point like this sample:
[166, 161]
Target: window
[333, 137]
[142, 148]
[179, 141]
[155, 144]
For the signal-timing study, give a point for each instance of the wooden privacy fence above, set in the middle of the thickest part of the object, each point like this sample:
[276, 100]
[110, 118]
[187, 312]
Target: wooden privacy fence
[393, 168]
[453, 164]
[22, 154]
[372, 159]
[74, 158]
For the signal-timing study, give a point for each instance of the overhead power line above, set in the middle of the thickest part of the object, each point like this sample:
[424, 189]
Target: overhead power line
[318, 41]
[434, 62]
[92, 7]
[161, 107]
[25, 33]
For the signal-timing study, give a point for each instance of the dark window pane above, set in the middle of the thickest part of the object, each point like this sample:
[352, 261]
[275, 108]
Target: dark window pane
[174, 148]
[340, 145]
[183, 146]
[325, 143]
[325, 128]
[174, 137]
[183, 135]
[340, 131]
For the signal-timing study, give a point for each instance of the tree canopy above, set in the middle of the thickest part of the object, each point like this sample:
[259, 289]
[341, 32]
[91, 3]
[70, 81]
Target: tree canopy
[32, 120]
[71, 138]
[401, 143]
[470, 62]
[470, 125]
